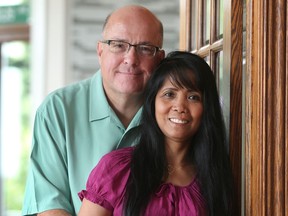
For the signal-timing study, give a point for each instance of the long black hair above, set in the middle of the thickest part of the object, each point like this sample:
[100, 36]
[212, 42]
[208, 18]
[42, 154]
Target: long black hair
[208, 149]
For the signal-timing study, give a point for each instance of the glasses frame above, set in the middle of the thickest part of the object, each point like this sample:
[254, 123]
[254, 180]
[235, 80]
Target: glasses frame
[157, 49]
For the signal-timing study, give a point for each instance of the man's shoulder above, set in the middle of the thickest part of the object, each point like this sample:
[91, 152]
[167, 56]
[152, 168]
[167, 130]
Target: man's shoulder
[73, 88]
[74, 94]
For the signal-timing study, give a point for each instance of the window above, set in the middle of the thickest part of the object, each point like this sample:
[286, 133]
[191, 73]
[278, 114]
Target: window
[204, 30]
[206, 39]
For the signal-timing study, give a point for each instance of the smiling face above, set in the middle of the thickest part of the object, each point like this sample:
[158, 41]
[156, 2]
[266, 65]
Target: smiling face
[127, 73]
[178, 112]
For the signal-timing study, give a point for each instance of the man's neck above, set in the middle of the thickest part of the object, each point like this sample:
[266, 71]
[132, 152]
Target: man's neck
[125, 107]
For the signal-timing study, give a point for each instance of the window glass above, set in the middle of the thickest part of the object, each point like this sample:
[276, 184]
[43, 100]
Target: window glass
[206, 22]
[219, 19]
[223, 80]
[207, 59]
[194, 25]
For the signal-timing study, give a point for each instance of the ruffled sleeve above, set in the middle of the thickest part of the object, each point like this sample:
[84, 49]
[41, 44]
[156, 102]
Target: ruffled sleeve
[107, 181]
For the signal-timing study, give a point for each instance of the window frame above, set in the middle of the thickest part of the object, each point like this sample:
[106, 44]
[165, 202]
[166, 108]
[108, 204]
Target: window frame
[232, 46]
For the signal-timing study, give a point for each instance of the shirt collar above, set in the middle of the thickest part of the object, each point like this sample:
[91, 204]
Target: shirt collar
[99, 107]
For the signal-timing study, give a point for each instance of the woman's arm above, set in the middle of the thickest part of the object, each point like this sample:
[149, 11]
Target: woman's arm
[54, 212]
[89, 208]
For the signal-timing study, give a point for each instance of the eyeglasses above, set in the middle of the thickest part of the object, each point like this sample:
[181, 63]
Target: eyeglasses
[116, 46]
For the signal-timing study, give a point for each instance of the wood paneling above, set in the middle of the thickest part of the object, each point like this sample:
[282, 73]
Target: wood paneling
[233, 40]
[266, 110]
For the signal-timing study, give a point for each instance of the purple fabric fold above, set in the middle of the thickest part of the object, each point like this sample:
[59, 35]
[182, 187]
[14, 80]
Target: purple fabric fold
[107, 181]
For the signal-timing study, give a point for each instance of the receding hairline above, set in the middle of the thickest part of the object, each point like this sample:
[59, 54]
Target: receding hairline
[138, 7]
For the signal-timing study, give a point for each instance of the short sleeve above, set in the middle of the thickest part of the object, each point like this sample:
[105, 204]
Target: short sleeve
[107, 181]
[46, 186]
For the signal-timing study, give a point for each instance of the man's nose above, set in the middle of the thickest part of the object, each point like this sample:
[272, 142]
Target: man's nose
[131, 56]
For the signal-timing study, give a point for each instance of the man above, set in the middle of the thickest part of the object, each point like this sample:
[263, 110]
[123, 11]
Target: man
[76, 125]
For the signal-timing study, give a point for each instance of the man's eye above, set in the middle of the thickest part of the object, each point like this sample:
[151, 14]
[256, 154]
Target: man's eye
[117, 45]
[146, 49]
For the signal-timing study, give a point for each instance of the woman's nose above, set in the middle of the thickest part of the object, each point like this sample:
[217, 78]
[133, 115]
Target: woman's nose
[180, 106]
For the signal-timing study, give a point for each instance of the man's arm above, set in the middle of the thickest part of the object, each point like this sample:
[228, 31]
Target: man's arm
[47, 185]
[56, 212]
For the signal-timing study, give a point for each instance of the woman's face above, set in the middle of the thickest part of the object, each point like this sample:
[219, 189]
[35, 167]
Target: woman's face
[178, 112]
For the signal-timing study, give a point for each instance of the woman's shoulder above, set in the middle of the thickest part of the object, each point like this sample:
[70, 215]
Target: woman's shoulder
[119, 154]
[113, 166]
[109, 177]
[121, 151]
[116, 160]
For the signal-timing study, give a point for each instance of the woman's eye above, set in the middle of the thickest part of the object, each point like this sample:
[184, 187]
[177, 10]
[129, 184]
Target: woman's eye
[195, 97]
[168, 94]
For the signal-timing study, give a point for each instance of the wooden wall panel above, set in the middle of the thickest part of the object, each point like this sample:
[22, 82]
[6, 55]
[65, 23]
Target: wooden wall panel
[236, 81]
[266, 110]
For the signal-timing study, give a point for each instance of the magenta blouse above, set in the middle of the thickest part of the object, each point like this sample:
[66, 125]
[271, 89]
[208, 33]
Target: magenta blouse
[107, 181]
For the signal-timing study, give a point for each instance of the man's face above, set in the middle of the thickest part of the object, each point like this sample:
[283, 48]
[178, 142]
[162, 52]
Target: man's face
[128, 72]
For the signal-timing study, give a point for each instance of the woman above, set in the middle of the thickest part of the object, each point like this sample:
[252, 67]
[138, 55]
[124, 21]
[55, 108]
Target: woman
[180, 165]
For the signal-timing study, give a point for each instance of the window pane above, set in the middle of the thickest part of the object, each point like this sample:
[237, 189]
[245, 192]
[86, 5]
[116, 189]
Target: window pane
[194, 24]
[207, 59]
[219, 19]
[223, 80]
[206, 22]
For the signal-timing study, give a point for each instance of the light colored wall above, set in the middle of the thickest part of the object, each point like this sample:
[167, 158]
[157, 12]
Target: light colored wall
[87, 18]
[48, 40]
[64, 34]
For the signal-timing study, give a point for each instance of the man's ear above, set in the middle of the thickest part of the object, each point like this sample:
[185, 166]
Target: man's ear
[99, 49]
[160, 55]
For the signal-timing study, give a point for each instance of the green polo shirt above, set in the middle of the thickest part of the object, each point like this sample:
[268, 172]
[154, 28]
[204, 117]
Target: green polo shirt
[74, 127]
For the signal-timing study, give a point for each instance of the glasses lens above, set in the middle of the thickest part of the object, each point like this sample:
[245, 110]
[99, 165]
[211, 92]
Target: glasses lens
[146, 50]
[122, 47]
[118, 46]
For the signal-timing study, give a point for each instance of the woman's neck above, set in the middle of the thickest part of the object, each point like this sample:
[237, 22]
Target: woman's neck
[179, 170]
[181, 175]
